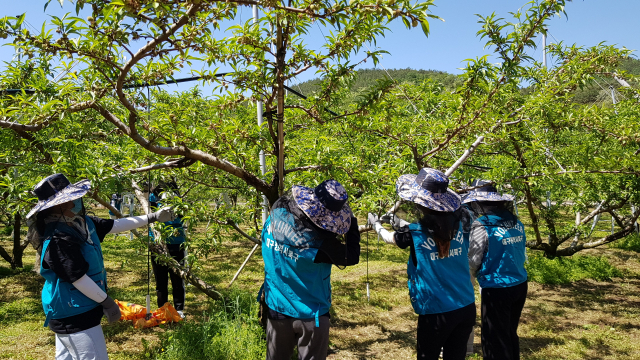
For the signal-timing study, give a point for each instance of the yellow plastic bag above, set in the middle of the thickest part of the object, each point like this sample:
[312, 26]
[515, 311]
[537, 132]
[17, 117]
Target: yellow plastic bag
[137, 314]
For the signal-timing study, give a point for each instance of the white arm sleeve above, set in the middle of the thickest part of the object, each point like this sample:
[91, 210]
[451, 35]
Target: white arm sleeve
[129, 223]
[90, 289]
[386, 235]
[478, 240]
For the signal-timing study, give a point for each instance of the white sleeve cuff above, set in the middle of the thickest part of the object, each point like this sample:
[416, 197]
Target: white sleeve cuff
[90, 289]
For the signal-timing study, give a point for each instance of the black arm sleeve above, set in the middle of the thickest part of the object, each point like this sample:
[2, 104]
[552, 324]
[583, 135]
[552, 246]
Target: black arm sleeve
[334, 252]
[64, 257]
[405, 240]
[103, 226]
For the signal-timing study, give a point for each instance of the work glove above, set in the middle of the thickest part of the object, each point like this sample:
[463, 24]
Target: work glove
[386, 218]
[397, 222]
[111, 310]
[163, 215]
[372, 219]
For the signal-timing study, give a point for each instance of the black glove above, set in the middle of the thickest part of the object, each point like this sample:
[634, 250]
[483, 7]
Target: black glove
[111, 310]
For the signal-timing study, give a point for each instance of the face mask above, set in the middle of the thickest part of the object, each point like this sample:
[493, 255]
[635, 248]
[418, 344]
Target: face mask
[77, 206]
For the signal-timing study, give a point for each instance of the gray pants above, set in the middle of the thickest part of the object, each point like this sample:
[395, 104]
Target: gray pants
[284, 335]
[84, 345]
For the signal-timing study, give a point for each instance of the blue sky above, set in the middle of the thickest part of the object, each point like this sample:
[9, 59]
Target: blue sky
[451, 42]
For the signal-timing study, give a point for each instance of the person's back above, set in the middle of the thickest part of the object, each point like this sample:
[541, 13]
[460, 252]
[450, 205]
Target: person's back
[300, 242]
[497, 257]
[503, 262]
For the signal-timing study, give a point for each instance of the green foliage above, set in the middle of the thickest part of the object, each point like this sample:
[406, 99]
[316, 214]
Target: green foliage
[565, 270]
[631, 243]
[230, 331]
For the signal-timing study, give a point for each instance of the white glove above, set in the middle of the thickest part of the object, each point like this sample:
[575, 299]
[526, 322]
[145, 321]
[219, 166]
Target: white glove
[163, 215]
[372, 219]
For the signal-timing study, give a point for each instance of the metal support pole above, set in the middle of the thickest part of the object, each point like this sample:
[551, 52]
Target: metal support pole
[544, 49]
[263, 170]
[613, 94]
[255, 247]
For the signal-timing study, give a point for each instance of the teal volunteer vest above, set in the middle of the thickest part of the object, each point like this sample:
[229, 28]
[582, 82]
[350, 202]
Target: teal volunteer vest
[293, 284]
[503, 263]
[439, 285]
[60, 299]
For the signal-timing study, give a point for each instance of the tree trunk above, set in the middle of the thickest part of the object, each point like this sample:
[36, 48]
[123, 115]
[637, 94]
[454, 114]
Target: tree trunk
[280, 110]
[18, 250]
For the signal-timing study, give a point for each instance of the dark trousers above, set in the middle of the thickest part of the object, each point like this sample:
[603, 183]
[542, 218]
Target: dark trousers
[447, 331]
[162, 274]
[501, 310]
[284, 335]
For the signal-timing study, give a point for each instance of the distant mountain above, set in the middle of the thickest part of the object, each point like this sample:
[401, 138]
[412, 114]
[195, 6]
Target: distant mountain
[367, 77]
[598, 92]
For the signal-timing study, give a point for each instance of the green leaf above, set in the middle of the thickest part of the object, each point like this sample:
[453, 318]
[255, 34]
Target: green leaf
[425, 27]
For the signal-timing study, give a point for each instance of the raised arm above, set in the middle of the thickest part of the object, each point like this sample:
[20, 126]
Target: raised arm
[134, 222]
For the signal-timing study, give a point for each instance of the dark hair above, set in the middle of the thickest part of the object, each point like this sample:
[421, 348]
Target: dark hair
[440, 225]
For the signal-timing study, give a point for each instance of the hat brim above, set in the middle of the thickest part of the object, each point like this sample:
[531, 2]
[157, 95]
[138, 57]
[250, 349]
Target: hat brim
[338, 222]
[408, 189]
[69, 193]
[487, 196]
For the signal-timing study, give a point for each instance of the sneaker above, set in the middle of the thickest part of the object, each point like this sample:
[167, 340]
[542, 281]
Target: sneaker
[181, 313]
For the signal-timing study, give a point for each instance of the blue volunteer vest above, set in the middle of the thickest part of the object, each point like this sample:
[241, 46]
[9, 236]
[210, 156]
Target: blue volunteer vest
[176, 225]
[60, 299]
[293, 284]
[439, 285]
[503, 263]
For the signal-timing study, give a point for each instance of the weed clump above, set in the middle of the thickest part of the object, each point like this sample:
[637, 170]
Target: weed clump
[230, 330]
[565, 270]
[630, 243]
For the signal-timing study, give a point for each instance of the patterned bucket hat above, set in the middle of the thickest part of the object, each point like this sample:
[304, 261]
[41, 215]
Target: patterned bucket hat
[326, 205]
[485, 191]
[430, 189]
[56, 189]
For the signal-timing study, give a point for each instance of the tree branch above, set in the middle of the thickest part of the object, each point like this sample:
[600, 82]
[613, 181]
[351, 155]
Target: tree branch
[231, 223]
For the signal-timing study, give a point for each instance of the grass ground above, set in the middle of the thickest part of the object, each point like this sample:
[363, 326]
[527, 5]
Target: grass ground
[576, 318]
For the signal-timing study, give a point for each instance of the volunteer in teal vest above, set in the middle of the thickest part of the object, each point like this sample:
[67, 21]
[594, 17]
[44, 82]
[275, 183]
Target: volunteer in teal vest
[175, 246]
[307, 232]
[496, 258]
[439, 282]
[74, 296]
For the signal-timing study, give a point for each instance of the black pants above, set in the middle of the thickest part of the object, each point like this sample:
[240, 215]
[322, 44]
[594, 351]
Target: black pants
[284, 335]
[501, 309]
[162, 274]
[447, 331]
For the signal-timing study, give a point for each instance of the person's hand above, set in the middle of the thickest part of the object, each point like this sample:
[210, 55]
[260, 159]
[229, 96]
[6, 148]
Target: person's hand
[397, 222]
[111, 310]
[372, 219]
[163, 215]
[386, 218]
